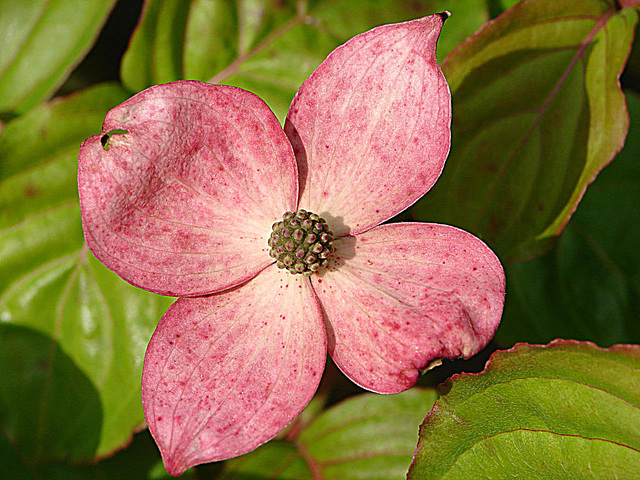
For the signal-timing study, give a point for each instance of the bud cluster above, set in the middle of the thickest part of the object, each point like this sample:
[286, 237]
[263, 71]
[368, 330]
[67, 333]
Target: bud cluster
[301, 242]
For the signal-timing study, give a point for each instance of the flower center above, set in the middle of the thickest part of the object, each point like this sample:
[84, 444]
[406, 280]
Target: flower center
[301, 242]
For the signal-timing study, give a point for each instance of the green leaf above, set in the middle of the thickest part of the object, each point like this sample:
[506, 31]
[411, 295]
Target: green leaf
[566, 411]
[506, 4]
[140, 460]
[73, 334]
[268, 47]
[33, 367]
[588, 287]
[42, 41]
[9, 461]
[538, 111]
[367, 436]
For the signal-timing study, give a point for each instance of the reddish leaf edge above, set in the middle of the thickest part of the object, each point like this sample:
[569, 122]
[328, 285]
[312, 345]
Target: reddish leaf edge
[558, 343]
[600, 24]
[627, 349]
[628, 3]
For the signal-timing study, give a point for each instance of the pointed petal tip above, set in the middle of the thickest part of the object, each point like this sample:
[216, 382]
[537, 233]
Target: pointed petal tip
[175, 466]
[386, 92]
[224, 374]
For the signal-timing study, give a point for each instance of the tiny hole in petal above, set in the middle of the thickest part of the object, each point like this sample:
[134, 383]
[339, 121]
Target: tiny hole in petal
[107, 136]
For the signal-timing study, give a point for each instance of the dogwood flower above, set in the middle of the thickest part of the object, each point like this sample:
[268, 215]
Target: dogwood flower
[272, 240]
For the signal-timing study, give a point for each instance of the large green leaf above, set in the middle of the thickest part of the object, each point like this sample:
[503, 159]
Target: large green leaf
[266, 46]
[72, 334]
[367, 436]
[42, 41]
[588, 286]
[565, 411]
[139, 461]
[538, 111]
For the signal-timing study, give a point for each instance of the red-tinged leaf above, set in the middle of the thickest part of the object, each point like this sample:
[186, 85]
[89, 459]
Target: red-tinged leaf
[371, 126]
[225, 373]
[180, 190]
[566, 410]
[538, 113]
[402, 295]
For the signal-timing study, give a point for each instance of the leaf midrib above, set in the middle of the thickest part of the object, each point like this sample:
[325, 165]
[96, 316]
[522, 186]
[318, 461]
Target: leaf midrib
[580, 52]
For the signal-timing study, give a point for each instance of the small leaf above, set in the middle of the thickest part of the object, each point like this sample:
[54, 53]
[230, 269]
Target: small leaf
[268, 47]
[567, 410]
[368, 436]
[84, 331]
[42, 41]
[525, 144]
[588, 286]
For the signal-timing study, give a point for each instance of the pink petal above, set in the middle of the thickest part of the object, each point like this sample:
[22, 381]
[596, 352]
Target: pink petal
[183, 203]
[225, 373]
[371, 126]
[402, 295]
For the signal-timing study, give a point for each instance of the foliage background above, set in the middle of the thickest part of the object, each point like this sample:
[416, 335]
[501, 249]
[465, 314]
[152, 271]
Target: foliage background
[72, 335]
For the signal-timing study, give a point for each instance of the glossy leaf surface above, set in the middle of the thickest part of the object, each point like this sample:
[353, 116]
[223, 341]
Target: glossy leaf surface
[267, 47]
[368, 436]
[565, 411]
[42, 41]
[525, 145]
[72, 335]
[588, 286]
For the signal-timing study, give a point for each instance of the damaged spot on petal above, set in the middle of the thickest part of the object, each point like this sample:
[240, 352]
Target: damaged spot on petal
[408, 294]
[104, 140]
[178, 195]
[432, 364]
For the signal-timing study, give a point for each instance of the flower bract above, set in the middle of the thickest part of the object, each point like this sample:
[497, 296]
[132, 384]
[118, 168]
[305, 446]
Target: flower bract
[184, 192]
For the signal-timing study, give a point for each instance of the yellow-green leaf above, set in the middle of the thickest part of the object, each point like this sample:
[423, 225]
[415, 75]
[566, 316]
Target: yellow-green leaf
[537, 112]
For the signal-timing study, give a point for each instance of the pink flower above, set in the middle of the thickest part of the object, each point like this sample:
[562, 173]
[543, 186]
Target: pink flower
[181, 200]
